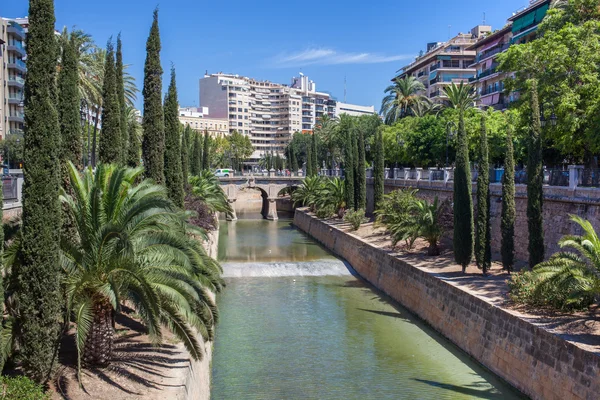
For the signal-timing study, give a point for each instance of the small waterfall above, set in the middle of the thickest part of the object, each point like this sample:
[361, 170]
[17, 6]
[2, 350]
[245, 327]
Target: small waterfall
[288, 268]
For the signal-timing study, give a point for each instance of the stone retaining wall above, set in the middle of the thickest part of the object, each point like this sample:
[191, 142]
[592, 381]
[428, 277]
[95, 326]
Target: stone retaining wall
[535, 361]
[559, 203]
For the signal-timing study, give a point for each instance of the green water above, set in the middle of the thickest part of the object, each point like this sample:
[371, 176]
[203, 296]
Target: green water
[305, 336]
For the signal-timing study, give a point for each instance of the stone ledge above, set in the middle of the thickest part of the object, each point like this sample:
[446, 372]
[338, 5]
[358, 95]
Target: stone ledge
[537, 362]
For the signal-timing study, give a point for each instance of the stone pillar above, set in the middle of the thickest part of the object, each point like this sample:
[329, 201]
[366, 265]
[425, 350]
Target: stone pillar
[419, 173]
[233, 215]
[369, 172]
[431, 174]
[447, 174]
[574, 172]
[272, 209]
[406, 173]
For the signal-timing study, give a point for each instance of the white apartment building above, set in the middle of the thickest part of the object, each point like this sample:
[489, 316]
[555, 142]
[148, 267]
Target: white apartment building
[353, 109]
[269, 113]
[197, 118]
[12, 75]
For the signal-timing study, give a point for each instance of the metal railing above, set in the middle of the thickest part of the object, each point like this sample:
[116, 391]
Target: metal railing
[10, 187]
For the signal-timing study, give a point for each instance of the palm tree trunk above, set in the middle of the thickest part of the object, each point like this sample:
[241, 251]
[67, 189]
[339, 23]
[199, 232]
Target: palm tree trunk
[99, 342]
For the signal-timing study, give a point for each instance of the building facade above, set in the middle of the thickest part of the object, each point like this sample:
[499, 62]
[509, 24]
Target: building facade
[12, 75]
[444, 63]
[197, 119]
[353, 109]
[269, 113]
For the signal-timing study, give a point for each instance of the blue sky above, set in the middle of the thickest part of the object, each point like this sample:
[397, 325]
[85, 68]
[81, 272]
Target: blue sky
[274, 40]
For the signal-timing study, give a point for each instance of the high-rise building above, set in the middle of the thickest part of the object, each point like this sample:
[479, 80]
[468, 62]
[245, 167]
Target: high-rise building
[12, 75]
[269, 113]
[444, 63]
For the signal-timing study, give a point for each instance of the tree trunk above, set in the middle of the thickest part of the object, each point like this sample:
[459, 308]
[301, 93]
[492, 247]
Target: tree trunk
[99, 342]
[434, 249]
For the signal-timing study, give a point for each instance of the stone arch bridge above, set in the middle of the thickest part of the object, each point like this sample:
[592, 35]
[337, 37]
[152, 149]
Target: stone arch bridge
[269, 187]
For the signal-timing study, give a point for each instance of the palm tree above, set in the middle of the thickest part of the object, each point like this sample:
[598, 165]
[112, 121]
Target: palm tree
[207, 187]
[308, 193]
[425, 107]
[427, 221]
[404, 93]
[133, 245]
[333, 194]
[327, 128]
[576, 275]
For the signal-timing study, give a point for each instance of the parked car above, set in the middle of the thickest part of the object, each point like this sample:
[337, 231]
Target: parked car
[224, 173]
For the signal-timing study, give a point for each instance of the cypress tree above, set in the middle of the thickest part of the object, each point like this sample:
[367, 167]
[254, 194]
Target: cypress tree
[1, 278]
[110, 138]
[463, 202]
[196, 164]
[309, 161]
[133, 148]
[294, 159]
[483, 251]
[122, 103]
[535, 180]
[507, 224]
[315, 154]
[173, 173]
[185, 156]
[153, 144]
[206, 152]
[378, 170]
[349, 169]
[68, 109]
[38, 274]
[356, 177]
[361, 172]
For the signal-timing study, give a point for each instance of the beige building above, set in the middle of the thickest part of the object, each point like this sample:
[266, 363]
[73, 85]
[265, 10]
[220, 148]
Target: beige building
[12, 75]
[269, 113]
[196, 118]
[445, 63]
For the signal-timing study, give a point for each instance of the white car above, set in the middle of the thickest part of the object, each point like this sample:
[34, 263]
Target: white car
[224, 173]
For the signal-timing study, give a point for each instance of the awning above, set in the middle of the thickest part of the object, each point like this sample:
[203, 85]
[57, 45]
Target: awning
[490, 45]
[520, 35]
[446, 58]
[433, 75]
[523, 22]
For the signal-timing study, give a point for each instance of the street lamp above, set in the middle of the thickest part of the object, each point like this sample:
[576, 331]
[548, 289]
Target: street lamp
[449, 133]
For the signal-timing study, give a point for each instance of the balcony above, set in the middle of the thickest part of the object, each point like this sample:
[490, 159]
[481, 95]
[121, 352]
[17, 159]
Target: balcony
[16, 29]
[16, 116]
[487, 72]
[486, 54]
[17, 82]
[17, 47]
[16, 132]
[495, 89]
[18, 65]
[15, 99]
[437, 93]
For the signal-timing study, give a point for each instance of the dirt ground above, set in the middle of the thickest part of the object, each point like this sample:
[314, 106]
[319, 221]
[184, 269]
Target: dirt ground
[581, 328]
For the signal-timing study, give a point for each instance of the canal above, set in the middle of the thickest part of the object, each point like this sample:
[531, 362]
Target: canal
[296, 324]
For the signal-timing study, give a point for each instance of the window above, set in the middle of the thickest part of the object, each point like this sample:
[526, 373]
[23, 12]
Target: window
[239, 110]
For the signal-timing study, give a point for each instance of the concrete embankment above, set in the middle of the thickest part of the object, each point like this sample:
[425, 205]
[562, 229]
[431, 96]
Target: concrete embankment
[539, 363]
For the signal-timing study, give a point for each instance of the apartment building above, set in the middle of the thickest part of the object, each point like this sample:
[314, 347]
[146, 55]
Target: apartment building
[353, 109]
[197, 118]
[444, 63]
[12, 75]
[269, 113]
[521, 28]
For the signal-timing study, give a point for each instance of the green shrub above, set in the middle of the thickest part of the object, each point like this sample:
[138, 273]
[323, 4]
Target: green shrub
[325, 212]
[355, 218]
[21, 388]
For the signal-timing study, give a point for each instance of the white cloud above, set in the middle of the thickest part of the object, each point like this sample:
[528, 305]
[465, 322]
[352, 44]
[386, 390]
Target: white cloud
[322, 56]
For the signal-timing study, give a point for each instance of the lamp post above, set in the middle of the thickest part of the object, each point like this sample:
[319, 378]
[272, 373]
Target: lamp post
[449, 133]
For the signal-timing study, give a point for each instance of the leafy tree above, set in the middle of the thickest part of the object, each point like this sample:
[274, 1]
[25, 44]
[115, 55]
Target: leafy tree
[173, 173]
[483, 252]
[164, 273]
[535, 181]
[153, 145]
[38, 294]
[507, 223]
[400, 96]
[240, 148]
[206, 152]
[462, 98]
[185, 156]
[68, 108]
[378, 170]
[110, 139]
[122, 102]
[12, 149]
[361, 202]
[196, 164]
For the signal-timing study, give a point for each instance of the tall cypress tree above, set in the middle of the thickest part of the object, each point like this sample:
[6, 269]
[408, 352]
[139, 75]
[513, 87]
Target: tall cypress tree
[68, 109]
[361, 172]
[483, 251]
[185, 156]
[38, 274]
[196, 164]
[110, 138]
[153, 144]
[294, 159]
[173, 173]
[315, 154]
[378, 170]
[133, 148]
[507, 223]
[535, 181]
[206, 152]
[463, 202]
[356, 162]
[309, 161]
[349, 167]
[122, 104]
